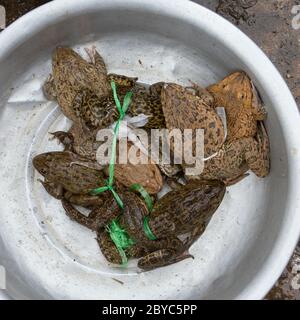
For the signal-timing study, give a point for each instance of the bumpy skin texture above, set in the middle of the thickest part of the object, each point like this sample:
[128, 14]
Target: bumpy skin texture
[185, 211]
[184, 110]
[70, 176]
[237, 94]
[237, 157]
[72, 74]
[101, 112]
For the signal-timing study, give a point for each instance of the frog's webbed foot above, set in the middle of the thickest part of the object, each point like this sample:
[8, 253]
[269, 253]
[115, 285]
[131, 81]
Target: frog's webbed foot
[96, 59]
[77, 216]
[55, 190]
[49, 89]
[63, 137]
[108, 248]
[258, 153]
[174, 251]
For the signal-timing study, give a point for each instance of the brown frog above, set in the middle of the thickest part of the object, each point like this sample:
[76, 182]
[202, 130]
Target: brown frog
[185, 211]
[69, 176]
[237, 94]
[236, 157]
[185, 110]
[101, 112]
[71, 74]
[147, 175]
[74, 81]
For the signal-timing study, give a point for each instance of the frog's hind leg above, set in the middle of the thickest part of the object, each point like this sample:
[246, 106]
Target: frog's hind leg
[108, 248]
[84, 200]
[258, 153]
[74, 214]
[49, 89]
[172, 253]
[96, 59]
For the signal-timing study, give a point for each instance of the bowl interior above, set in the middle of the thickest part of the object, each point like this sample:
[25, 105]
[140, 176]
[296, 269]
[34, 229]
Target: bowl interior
[48, 256]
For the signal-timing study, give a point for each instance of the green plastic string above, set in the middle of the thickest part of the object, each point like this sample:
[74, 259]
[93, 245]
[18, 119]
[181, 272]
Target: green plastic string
[122, 111]
[144, 194]
[149, 204]
[147, 229]
[120, 238]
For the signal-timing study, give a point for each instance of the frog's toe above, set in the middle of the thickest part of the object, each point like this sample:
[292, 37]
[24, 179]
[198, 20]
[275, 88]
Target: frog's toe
[63, 137]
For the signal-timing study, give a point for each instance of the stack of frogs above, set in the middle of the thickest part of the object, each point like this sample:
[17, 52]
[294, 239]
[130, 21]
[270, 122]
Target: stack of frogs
[161, 233]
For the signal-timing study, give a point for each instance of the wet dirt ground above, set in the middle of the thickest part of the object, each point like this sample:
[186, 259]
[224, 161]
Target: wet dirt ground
[273, 25]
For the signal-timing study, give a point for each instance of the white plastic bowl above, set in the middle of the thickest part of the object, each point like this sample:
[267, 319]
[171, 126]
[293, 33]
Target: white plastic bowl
[251, 237]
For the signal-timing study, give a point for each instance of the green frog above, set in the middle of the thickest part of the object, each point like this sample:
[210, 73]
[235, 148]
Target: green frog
[67, 175]
[185, 211]
[236, 157]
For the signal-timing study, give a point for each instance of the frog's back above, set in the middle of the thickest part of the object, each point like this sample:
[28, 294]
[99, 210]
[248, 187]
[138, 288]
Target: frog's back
[189, 205]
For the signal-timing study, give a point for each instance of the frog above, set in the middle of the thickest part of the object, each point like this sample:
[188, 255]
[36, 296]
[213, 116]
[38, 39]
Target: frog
[71, 73]
[101, 112]
[243, 106]
[73, 78]
[236, 157]
[185, 212]
[185, 110]
[67, 175]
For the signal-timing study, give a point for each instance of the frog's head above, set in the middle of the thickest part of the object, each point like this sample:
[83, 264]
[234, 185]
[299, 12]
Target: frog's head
[41, 163]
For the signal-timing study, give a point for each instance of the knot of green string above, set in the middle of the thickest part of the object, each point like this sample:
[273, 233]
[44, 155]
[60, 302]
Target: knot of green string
[119, 235]
[122, 111]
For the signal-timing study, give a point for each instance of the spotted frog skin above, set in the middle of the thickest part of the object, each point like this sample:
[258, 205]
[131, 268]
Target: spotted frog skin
[67, 175]
[71, 74]
[237, 157]
[101, 112]
[185, 211]
[185, 110]
[74, 79]
[237, 94]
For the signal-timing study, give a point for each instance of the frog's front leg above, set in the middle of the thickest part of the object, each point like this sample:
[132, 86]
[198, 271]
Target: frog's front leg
[99, 217]
[49, 89]
[55, 190]
[172, 251]
[258, 153]
[107, 247]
